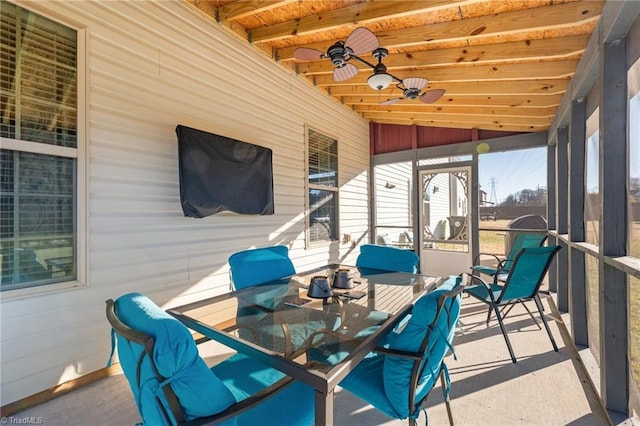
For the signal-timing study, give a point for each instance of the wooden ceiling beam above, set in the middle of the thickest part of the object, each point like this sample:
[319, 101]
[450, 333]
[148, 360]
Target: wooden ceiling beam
[554, 17]
[520, 121]
[418, 108]
[530, 50]
[358, 14]
[487, 101]
[481, 125]
[454, 88]
[538, 70]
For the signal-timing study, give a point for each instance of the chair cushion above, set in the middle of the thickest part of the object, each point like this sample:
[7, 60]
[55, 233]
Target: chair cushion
[366, 382]
[199, 392]
[387, 258]
[397, 371]
[245, 376]
[259, 266]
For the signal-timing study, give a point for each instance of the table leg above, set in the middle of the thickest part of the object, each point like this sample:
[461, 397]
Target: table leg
[324, 408]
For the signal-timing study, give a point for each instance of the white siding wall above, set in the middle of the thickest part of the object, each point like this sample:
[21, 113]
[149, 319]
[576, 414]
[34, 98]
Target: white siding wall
[151, 66]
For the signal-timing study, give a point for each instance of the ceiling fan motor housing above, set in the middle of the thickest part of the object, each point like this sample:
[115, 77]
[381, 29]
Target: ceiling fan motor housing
[411, 93]
[338, 54]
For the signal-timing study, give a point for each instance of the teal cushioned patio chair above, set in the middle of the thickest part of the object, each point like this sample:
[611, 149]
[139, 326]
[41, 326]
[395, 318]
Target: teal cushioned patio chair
[254, 267]
[399, 375]
[502, 266]
[172, 385]
[520, 285]
[375, 259]
[385, 258]
[260, 265]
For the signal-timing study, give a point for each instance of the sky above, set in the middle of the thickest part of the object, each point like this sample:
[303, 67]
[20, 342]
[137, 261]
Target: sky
[526, 169]
[513, 171]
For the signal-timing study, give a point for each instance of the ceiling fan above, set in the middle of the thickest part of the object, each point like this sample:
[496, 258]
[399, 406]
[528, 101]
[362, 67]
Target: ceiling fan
[411, 88]
[359, 42]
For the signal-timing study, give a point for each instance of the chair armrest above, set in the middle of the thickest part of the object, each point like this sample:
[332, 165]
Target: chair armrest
[475, 278]
[399, 353]
[243, 405]
[477, 257]
[486, 286]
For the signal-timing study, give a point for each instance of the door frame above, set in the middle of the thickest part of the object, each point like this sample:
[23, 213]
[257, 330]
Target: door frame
[472, 209]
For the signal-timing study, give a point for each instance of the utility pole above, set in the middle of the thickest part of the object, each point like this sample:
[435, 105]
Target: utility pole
[493, 199]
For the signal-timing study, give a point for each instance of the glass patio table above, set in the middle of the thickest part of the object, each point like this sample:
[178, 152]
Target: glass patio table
[316, 341]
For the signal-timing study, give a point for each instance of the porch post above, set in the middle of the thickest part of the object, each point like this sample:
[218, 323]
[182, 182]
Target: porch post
[577, 287]
[551, 209]
[562, 209]
[613, 224]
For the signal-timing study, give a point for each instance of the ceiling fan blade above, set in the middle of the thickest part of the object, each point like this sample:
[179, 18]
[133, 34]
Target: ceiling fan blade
[361, 40]
[430, 96]
[414, 82]
[392, 101]
[345, 73]
[307, 54]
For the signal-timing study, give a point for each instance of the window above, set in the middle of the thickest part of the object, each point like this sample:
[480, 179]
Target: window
[38, 159]
[322, 187]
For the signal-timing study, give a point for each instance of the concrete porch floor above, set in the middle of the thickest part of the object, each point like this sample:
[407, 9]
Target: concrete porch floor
[543, 388]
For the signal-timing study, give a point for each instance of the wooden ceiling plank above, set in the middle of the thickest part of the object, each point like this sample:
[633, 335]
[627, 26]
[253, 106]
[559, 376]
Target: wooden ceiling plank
[354, 15]
[523, 101]
[209, 10]
[241, 9]
[527, 20]
[530, 50]
[523, 87]
[540, 70]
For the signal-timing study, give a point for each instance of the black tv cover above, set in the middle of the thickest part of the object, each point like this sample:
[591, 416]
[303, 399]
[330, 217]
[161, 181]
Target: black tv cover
[219, 173]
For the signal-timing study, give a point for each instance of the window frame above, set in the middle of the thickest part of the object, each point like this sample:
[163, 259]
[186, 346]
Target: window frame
[79, 154]
[308, 187]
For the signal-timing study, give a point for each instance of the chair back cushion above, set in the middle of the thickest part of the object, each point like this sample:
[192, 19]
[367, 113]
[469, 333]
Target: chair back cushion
[200, 393]
[387, 259]
[527, 272]
[397, 371]
[259, 266]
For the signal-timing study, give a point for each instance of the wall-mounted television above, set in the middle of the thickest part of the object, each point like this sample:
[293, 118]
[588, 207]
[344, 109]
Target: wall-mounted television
[223, 174]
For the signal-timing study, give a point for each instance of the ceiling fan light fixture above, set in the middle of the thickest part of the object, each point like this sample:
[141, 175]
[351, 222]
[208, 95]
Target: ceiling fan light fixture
[379, 81]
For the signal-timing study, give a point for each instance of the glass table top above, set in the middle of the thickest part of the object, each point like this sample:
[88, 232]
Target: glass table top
[281, 320]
